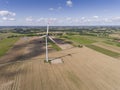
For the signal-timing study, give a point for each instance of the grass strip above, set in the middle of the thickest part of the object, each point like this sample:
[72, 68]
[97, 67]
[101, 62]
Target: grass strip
[54, 46]
[79, 39]
[6, 44]
[104, 51]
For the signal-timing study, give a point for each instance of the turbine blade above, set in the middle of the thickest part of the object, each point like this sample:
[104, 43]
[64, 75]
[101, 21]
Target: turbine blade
[52, 40]
[42, 36]
[47, 29]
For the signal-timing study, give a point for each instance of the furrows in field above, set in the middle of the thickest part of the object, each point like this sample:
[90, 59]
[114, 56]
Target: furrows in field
[26, 82]
[9, 76]
[61, 81]
[93, 73]
[109, 47]
[17, 83]
[71, 75]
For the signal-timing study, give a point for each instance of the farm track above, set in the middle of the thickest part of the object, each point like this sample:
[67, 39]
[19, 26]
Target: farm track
[83, 69]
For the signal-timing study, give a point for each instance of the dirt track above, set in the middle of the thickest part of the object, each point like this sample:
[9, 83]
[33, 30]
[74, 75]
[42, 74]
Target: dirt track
[83, 69]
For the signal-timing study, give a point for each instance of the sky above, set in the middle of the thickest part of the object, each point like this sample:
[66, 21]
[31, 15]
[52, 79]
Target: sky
[59, 12]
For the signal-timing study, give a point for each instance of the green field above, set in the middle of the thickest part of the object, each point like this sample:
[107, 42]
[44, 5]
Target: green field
[79, 39]
[6, 44]
[104, 51]
[112, 43]
[54, 46]
[5, 35]
[89, 40]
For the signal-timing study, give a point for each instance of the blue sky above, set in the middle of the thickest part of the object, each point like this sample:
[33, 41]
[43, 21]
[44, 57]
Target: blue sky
[59, 12]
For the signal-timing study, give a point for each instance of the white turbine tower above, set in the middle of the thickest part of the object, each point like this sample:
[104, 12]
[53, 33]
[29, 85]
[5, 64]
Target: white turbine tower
[46, 40]
[47, 43]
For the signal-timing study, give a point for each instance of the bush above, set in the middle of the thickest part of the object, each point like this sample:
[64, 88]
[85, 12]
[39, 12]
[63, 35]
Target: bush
[80, 46]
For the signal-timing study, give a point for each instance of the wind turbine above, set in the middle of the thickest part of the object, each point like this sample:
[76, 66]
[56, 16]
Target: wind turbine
[46, 40]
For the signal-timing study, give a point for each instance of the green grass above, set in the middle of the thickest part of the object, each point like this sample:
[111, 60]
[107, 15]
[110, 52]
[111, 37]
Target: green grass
[5, 35]
[54, 46]
[79, 39]
[6, 44]
[88, 40]
[104, 51]
[114, 43]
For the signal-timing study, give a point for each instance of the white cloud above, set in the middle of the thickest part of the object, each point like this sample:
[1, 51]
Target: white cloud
[94, 20]
[68, 19]
[82, 18]
[46, 20]
[56, 9]
[52, 20]
[106, 20]
[8, 19]
[51, 9]
[4, 18]
[77, 20]
[59, 8]
[96, 17]
[116, 19]
[42, 20]
[7, 13]
[11, 19]
[29, 19]
[69, 3]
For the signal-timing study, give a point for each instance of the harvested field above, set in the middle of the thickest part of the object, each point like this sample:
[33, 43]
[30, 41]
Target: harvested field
[83, 69]
[115, 35]
[109, 47]
[112, 48]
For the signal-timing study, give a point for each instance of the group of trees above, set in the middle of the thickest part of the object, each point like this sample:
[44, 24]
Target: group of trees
[39, 31]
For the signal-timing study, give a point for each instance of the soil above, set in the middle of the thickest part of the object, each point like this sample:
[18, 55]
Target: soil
[83, 69]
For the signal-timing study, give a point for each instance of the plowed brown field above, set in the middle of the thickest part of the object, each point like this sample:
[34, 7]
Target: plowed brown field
[23, 68]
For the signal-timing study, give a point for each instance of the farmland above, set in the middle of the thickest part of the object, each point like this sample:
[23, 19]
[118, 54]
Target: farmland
[6, 44]
[95, 66]
[96, 43]
[31, 73]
